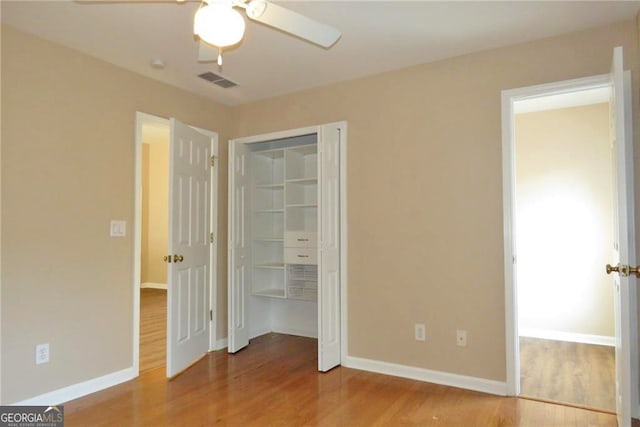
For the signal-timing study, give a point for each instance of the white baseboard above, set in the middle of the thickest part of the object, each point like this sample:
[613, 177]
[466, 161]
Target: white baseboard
[297, 332]
[258, 333]
[426, 375]
[153, 285]
[75, 391]
[220, 344]
[568, 336]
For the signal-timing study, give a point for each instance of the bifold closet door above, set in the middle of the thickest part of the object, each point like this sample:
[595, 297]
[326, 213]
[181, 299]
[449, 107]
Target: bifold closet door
[329, 263]
[238, 247]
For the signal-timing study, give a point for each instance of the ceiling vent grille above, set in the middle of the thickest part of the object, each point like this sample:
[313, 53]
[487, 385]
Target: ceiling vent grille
[217, 80]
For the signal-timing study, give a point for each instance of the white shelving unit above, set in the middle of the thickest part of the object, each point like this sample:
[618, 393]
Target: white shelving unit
[267, 206]
[284, 202]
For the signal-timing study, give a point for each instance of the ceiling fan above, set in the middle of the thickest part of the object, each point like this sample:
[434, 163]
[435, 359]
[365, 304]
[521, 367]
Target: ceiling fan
[219, 25]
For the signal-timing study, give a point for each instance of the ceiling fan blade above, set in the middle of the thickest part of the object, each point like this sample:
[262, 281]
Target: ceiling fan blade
[134, 1]
[207, 53]
[293, 23]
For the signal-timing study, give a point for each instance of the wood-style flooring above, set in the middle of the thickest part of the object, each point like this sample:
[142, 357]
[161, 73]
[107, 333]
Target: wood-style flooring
[581, 374]
[275, 382]
[153, 328]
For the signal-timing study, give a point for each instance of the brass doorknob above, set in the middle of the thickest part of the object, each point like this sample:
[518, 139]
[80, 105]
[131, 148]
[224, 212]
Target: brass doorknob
[623, 269]
[178, 258]
[167, 258]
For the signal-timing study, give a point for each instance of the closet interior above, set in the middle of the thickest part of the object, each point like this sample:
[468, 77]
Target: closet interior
[283, 236]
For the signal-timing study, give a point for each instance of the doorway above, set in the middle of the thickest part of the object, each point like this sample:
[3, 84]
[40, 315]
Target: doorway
[564, 217]
[623, 248]
[175, 244]
[154, 245]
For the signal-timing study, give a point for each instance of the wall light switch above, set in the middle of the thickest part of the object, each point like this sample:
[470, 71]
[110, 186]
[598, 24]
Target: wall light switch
[42, 354]
[419, 332]
[118, 228]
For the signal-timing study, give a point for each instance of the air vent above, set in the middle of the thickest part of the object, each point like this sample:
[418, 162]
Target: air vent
[218, 80]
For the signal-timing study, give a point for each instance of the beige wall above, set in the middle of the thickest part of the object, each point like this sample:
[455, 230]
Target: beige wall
[67, 170]
[425, 192]
[564, 218]
[424, 183]
[155, 215]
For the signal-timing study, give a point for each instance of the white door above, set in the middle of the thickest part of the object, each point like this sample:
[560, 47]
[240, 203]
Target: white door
[329, 262]
[624, 245]
[238, 247]
[189, 248]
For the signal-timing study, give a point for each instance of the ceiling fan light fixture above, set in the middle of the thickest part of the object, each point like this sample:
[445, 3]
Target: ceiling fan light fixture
[219, 24]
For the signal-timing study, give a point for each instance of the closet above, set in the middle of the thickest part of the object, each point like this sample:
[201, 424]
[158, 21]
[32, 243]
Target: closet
[285, 237]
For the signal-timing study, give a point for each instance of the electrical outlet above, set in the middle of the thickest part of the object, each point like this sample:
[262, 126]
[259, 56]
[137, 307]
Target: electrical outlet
[461, 338]
[42, 354]
[419, 332]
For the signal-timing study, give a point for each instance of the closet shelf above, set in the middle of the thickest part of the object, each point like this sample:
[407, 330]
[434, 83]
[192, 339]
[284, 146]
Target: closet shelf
[269, 211]
[303, 205]
[313, 180]
[304, 149]
[275, 153]
[271, 186]
[273, 293]
[272, 265]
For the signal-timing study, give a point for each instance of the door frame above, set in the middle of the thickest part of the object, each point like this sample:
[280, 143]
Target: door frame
[290, 133]
[140, 119]
[509, 97]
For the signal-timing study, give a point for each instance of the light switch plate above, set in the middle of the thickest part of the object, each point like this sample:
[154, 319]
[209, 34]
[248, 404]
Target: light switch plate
[42, 354]
[118, 228]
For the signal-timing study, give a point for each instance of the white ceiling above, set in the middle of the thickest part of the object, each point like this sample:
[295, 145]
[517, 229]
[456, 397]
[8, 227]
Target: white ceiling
[377, 36]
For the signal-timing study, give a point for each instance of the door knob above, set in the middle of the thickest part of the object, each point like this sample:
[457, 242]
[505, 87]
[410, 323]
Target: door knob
[167, 258]
[178, 258]
[623, 269]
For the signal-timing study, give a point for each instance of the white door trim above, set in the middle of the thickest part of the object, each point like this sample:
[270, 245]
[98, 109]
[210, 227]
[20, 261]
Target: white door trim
[509, 97]
[141, 118]
[343, 215]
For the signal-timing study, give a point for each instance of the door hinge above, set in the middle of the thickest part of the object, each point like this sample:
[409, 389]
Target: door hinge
[211, 237]
[211, 315]
[213, 161]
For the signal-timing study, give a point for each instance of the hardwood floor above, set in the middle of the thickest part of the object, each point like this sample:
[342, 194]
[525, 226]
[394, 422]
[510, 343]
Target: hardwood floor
[581, 374]
[274, 382]
[153, 328]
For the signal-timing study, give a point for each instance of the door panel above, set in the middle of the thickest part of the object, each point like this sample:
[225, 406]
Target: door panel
[188, 277]
[238, 249]
[624, 229]
[329, 263]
